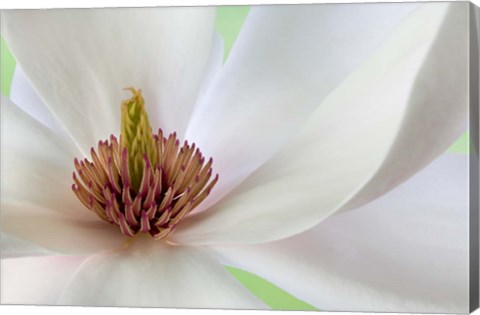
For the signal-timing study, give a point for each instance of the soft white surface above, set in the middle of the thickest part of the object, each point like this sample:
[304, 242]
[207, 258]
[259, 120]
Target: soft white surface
[396, 113]
[37, 163]
[284, 63]
[157, 275]
[60, 233]
[25, 97]
[13, 247]
[80, 60]
[350, 238]
[37, 203]
[36, 280]
[405, 252]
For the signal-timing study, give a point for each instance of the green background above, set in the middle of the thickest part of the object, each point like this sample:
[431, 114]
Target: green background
[229, 22]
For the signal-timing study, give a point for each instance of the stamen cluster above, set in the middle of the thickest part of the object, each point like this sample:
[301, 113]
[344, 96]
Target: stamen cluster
[169, 189]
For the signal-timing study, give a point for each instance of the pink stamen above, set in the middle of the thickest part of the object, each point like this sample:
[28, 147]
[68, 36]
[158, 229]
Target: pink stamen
[170, 187]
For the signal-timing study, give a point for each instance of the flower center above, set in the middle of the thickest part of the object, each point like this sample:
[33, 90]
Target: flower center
[146, 182]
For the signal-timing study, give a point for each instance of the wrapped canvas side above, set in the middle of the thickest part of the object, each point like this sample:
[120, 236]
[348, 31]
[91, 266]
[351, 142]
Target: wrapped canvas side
[474, 158]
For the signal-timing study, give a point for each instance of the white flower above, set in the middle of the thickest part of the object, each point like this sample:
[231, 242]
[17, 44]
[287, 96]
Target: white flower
[319, 109]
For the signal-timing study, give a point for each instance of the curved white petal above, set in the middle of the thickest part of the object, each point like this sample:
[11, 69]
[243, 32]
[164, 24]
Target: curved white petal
[155, 274]
[36, 280]
[37, 163]
[13, 247]
[285, 61]
[80, 60]
[405, 252]
[60, 233]
[214, 67]
[37, 203]
[25, 97]
[396, 113]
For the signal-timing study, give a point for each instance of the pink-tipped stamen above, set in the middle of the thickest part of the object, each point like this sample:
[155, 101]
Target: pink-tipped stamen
[169, 189]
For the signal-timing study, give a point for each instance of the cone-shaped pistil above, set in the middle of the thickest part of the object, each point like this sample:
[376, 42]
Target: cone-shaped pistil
[136, 136]
[147, 182]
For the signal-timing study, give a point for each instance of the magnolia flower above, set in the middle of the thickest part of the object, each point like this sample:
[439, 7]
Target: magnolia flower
[327, 126]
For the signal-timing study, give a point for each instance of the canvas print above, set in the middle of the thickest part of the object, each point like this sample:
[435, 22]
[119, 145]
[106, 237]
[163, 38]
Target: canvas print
[290, 157]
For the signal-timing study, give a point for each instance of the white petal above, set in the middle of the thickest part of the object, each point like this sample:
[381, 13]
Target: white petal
[25, 97]
[37, 203]
[37, 163]
[60, 233]
[13, 247]
[214, 67]
[36, 280]
[157, 275]
[405, 252]
[395, 114]
[80, 60]
[286, 60]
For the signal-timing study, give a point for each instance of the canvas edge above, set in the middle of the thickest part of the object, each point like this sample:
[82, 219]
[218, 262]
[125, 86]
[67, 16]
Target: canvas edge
[474, 15]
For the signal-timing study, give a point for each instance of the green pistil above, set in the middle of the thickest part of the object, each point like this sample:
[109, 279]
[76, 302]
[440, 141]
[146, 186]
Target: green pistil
[137, 136]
